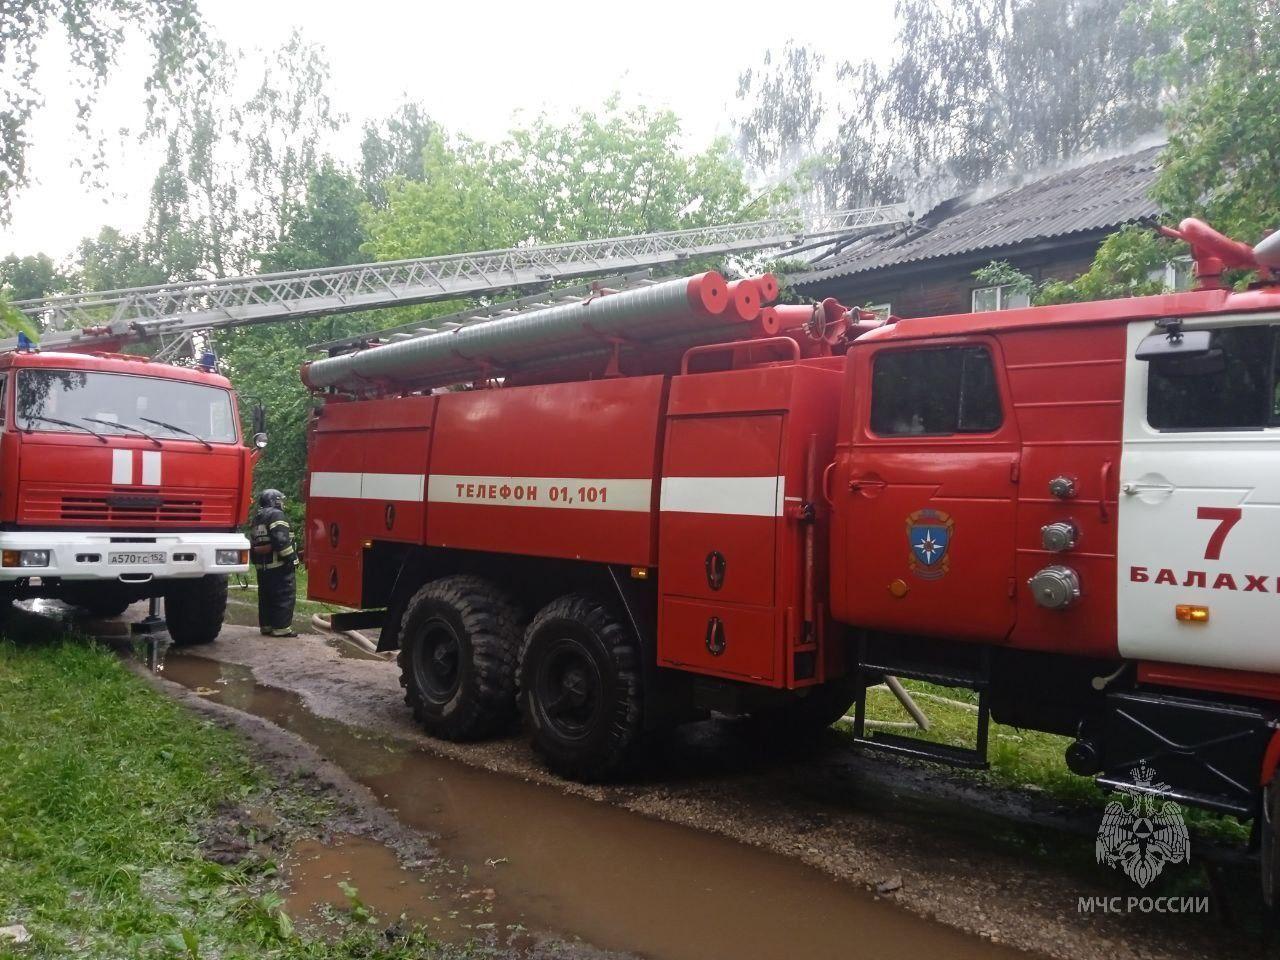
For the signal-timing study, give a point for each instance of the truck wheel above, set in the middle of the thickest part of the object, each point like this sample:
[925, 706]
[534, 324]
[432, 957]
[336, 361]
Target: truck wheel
[806, 716]
[194, 609]
[458, 645]
[102, 600]
[1269, 851]
[580, 687]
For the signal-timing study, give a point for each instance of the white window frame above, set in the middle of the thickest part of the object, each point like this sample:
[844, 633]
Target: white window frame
[1003, 292]
[881, 310]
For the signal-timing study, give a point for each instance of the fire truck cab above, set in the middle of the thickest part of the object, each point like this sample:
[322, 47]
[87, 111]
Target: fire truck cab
[121, 479]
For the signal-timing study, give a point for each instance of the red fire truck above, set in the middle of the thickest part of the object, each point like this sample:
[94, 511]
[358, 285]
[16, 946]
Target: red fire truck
[123, 479]
[666, 501]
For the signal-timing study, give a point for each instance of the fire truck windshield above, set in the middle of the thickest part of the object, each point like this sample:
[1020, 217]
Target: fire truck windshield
[80, 401]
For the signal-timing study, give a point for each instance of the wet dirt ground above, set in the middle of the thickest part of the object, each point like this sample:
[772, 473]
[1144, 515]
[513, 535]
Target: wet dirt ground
[548, 861]
[735, 852]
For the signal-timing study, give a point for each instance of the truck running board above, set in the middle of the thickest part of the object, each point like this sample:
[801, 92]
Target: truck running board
[872, 669]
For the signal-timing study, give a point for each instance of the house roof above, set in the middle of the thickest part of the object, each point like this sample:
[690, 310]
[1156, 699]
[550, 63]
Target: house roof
[1084, 199]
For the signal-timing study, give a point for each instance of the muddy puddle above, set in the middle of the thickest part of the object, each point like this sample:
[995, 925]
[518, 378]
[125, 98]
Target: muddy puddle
[528, 855]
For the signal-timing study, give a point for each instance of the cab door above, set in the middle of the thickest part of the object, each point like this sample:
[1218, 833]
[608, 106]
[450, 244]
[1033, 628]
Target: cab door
[925, 493]
[1199, 515]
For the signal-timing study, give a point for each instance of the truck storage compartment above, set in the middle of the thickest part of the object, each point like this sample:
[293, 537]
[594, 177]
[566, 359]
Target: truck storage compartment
[742, 464]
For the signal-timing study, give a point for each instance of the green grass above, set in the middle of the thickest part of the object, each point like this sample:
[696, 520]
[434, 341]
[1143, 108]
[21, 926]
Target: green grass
[1022, 759]
[104, 786]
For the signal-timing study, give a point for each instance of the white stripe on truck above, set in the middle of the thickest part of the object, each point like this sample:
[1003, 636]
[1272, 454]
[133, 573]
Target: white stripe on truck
[721, 496]
[562, 493]
[728, 496]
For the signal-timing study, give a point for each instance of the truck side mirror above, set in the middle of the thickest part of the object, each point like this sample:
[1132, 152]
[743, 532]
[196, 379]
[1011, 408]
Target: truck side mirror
[259, 418]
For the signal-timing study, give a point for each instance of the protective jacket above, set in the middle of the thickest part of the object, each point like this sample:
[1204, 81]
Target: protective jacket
[275, 557]
[272, 540]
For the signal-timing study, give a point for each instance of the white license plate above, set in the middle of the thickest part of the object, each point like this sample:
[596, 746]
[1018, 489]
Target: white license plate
[134, 559]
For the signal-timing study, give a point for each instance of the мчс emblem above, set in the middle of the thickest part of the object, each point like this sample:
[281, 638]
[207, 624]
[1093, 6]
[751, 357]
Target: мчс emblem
[929, 536]
[1145, 835]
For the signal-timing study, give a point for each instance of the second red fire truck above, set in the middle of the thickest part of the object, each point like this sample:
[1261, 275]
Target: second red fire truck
[672, 500]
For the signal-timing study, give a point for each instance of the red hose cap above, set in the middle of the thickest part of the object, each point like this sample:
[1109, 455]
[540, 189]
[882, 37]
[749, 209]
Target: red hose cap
[768, 286]
[744, 300]
[708, 293]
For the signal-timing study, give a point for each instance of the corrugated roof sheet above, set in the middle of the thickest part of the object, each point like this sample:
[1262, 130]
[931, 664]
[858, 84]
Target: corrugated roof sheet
[1096, 196]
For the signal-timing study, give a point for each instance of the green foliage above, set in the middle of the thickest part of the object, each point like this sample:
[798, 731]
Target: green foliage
[26, 278]
[31, 277]
[618, 171]
[325, 229]
[11, 321]
[107, 785]
[91, 34]
[464, 201]
[1224, 132]
[112, 260]
[610, 173]
[393, 148]
[1130, 263]
[1000, 273]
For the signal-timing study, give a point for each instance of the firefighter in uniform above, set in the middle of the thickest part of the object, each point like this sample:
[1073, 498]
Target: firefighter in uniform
[275, 558]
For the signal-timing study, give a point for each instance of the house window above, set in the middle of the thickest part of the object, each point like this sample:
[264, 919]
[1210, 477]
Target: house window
[881, 310]
[1004, 297]
[934, 392]
[1232, 388]
[1176, 275]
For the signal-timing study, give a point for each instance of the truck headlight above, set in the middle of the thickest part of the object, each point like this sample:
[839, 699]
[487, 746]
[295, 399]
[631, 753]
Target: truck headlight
[26, 558]
[231, 558]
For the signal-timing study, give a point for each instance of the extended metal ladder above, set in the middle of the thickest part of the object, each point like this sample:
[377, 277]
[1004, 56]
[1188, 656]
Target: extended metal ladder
[85, 320]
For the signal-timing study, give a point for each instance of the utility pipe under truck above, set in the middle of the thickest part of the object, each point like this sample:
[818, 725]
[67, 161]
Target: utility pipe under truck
[626, 512]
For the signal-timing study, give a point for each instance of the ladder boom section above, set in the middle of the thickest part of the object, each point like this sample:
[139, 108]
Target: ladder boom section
[79, 321]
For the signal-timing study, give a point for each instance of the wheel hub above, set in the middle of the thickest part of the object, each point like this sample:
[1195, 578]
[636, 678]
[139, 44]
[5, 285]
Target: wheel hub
[436, 666]
[570, 690]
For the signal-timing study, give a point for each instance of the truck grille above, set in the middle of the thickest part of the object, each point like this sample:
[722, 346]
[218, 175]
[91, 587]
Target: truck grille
[132, 509]
[98, 508]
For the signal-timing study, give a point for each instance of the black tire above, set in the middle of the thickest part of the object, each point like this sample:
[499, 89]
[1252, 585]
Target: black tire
[459, 640]
[1269, 850]
[194, 609]
[580, 688]
[102, 599]
[807, 716]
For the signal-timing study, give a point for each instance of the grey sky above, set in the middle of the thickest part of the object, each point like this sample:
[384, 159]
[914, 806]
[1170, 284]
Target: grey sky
[475, 66]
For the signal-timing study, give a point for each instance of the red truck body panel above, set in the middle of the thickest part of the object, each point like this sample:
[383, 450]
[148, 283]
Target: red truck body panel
[557, 470]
